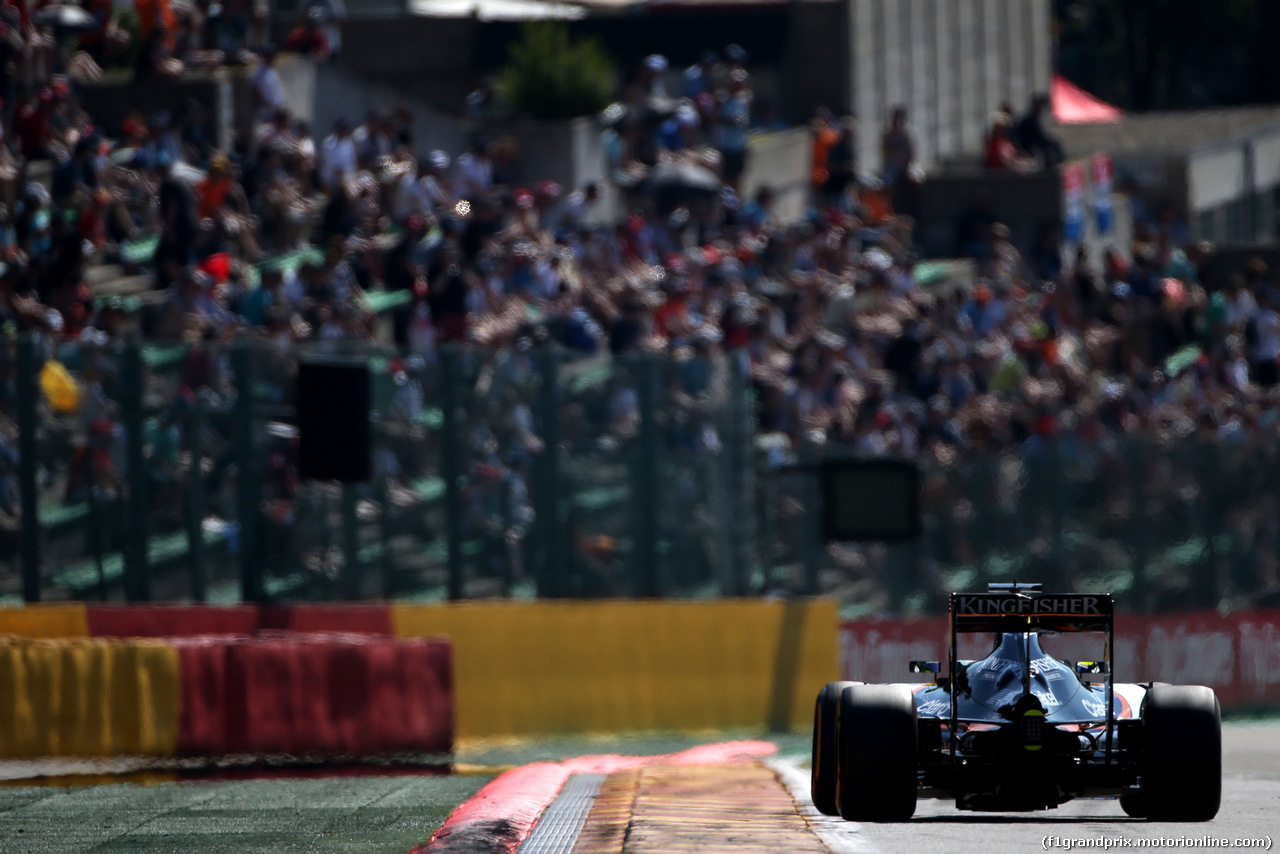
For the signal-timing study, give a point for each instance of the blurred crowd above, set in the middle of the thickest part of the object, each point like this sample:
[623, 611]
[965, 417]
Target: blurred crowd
[841, 341]
[355, 235]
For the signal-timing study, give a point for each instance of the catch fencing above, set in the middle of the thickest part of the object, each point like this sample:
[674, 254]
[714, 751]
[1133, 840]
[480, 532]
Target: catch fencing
[167, 472]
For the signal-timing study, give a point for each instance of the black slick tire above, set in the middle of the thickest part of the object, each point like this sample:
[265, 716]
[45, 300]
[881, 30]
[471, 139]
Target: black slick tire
[826, 747]
[1181, 754]
[1133, 805]
[876, 775]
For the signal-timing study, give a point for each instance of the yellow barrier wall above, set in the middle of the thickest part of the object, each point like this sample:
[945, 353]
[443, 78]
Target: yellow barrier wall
[45, 621]
[545, 667]
[87, 698]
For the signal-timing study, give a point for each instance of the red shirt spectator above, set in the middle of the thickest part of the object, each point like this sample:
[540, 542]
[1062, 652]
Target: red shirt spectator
[31, 126]
[309, 39]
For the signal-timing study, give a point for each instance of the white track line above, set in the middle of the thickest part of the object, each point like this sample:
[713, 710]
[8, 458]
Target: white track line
[842, 837]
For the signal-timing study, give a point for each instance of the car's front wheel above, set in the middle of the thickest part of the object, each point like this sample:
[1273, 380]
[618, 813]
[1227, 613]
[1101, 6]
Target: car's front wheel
[876, 775]
[1181, 754]
[826, 747]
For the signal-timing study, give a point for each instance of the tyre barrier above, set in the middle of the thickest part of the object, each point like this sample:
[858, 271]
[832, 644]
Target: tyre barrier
[315, 694]
[301, 695]
[87, 698]
[45, 621]
[526, 668]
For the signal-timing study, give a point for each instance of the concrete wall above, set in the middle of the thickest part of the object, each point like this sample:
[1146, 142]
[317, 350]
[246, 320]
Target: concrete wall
[1231, 186]
[781, 160]
[1216, 177]
[570, 153]
[950, 62]
[299, 78]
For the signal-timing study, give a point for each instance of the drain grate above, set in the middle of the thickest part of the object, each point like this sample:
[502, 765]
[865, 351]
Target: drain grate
[558, 828]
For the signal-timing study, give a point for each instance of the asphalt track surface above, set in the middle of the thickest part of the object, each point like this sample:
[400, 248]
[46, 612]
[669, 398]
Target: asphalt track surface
[1250, 809]
[392, 813]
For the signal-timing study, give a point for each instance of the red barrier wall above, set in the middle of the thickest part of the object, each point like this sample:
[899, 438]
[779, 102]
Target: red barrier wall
[315, 694]
[1238, 655]
[162, 621]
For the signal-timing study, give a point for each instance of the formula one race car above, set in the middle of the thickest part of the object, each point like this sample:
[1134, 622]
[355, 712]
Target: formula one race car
[1018, 730]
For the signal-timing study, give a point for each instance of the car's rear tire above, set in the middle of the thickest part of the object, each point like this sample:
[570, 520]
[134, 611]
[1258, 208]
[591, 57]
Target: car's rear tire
[1133, 805]
[826, 747]
[1181, 754]
[876, 774]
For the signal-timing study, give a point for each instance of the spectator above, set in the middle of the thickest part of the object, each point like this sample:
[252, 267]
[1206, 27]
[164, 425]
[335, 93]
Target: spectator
[221, 204]
[309, 37]
[649, 81]
[1033, 140]
[840, 341]
[268, 88]
[448, 290]
[473, 172]
[734, 123]
[1002, 155]
[331, 14]
[1264, 355]
[179, 223]
[897, 149]
[337, 157]
[699, 78]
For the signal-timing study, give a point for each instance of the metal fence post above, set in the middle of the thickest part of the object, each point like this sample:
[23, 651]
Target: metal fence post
[195, 504]
[1063, 577]
[742, 480]
[1211, 521]
[552, 567]
[649, 574]
[27, 450]
[812, 548]
[768, 526]
[251, 587]
[386, 529]
[137, 573]
[451, 449]
[1137, 453]
[95, 528]
[350, 583]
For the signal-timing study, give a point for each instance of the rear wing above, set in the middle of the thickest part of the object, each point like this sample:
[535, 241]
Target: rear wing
[1023, 607]
[1020, 610]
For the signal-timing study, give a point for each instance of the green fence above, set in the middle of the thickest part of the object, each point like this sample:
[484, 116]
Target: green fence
[1186, 524]
[509, 473]
[533, 472]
